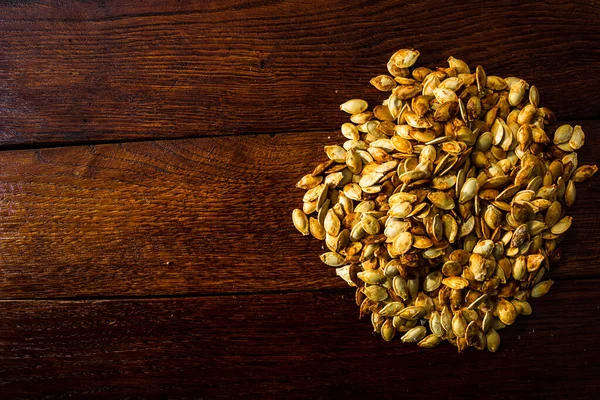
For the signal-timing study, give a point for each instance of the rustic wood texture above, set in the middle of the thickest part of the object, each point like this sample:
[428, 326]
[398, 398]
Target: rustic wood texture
[169, 268]
[194, 216]
[299, 345]
[101, 71]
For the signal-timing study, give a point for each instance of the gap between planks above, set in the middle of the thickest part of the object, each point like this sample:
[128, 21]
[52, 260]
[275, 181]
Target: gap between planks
[87, 143]
[348, 289]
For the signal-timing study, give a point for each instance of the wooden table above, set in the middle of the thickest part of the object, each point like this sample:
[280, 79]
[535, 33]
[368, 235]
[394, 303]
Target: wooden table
[149, 153]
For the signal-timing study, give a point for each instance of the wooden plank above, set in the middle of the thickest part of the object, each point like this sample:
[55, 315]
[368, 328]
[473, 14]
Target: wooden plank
[113, 70]
[308, 345]
[210, 215]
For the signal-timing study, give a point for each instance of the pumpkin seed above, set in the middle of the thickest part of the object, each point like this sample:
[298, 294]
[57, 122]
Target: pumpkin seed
[388, 331]
[492, 340]
[414, 335]
[430, 342]
[300, 221]
[562, 226]
[405, 58]
[400, 287]
[506, 311]
[541, 288]
[354, 106]
[584, 172]
[475, 336]
[432, 281]
[383, 83]
[455, 282]
[332, 259]
[441, 200]
[392, 309]
[412, 313]
[376, 293]
[459, 324]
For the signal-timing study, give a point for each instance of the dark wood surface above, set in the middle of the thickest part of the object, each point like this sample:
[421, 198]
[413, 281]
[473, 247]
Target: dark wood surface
[299, 345]
[193, 216]
[83, 71]
[168, 268]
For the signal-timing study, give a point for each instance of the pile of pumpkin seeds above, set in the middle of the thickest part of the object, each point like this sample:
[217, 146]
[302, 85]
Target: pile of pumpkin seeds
[445, 205]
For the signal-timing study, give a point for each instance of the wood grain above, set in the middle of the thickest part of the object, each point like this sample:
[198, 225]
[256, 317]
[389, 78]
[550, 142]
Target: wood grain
[303, 345]
[83, 71]
[194, 216]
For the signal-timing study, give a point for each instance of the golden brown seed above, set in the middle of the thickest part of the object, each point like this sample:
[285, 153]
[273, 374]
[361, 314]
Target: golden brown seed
[383, 83]
[350, 131]
[534, 96]
[371, 277]
[563, 134]
[376, 293]
[455, 282]
[316, 229]
[354, 106]
[577, 138]
[333, 259]
[446, 111]
[300, 221]
[392, 309]
[362, 118]
[475, 336]
[495, 83]
[492, 340]
[538, 135]
[387, 330]
[534, 262]
[469, 190]
[570, 194]
[526, 114]
[584, 172]
[402, 145]
[517, 92]
[435, 324]
[451, 268]
[541, 288]
[506, 311]
[441, 200]
[309, 181]
[400, 287]
[403, 243]
[404, 92]
[459, 66]
[474, 107]
[430, 342]
[414, 335]
[405, 58]
[478, 266]
[481, 78]
[332, 223]
[562, 226]
[336, 153]
[420, 105]
[522, 306]
[383, 114]
[412, 313]
[524, 136]
[445, 95]
[397, 72]
[420, 73]
[459, 324]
